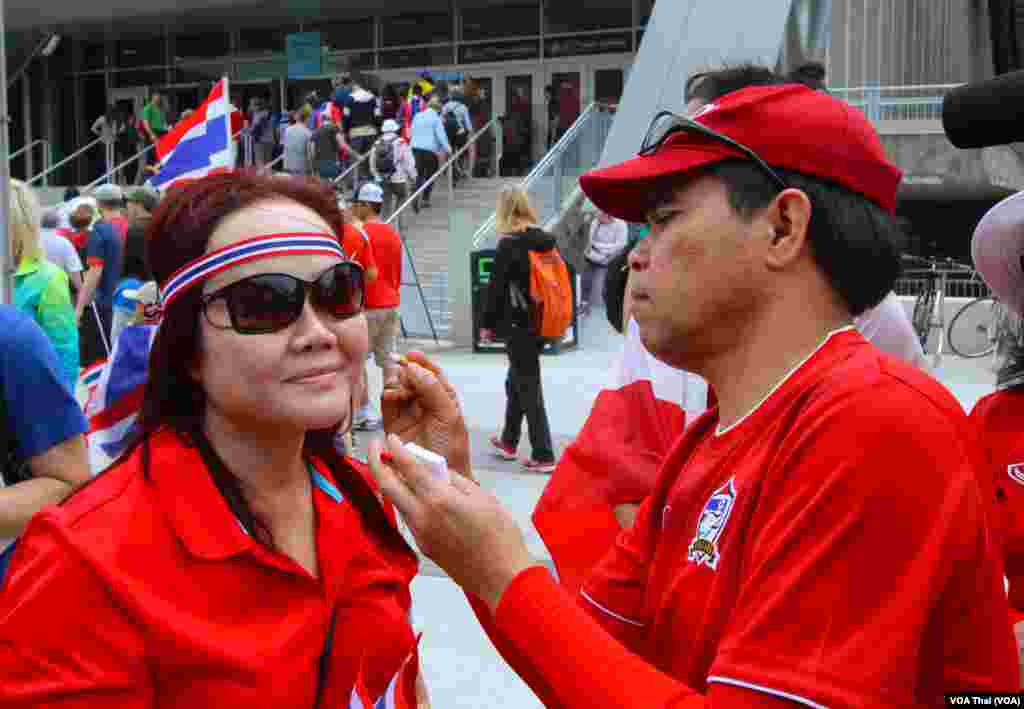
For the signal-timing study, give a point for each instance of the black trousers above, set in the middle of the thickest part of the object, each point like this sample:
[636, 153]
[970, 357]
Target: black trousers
[426, 166]
[525, 396]
[90, 340]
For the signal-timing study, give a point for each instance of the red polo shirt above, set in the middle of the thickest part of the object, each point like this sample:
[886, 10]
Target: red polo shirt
[356, 244]
[145, 593]
[385, 290]
[832, 548]
[999, 420]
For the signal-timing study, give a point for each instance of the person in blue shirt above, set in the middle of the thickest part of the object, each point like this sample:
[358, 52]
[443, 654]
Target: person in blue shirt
[104, 257]
[41, 423]
[430, 147]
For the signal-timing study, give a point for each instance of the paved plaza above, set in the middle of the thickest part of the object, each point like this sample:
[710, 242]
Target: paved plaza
[462, 668]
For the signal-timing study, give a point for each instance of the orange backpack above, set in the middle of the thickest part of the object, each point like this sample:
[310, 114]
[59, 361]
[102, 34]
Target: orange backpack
[550, 294]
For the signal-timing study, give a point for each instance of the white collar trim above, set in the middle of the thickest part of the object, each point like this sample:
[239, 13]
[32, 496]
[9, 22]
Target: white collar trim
[719, 431]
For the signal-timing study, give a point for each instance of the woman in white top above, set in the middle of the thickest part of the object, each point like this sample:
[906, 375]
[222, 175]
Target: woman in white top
[608, 237]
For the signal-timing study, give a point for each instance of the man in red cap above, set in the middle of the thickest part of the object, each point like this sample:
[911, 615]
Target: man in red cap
[821, 537]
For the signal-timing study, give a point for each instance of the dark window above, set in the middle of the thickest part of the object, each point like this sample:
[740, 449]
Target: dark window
[343, 36]
[350, 61]
[92, 163]
[403, 30]
[608, 85]
[593, 15]
[202, 73]
[644, 9]
[205, 45]
[593, 44]
[93, 55]
[142, 77]
[265, 39]
[501, 21]
[498, 51]
[420, 57]
[140, 51]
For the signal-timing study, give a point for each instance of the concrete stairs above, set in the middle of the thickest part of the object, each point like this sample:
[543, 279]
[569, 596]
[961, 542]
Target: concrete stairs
[435, 237]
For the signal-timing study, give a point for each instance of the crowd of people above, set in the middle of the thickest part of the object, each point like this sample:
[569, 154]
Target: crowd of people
[822, 525]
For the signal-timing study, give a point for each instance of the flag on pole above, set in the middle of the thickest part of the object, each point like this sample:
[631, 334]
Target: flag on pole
[115, 404]
[401, 691]
[616, 458]
[199, 145]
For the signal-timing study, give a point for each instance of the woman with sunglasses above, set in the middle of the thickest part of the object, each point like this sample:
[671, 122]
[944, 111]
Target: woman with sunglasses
[231, 558]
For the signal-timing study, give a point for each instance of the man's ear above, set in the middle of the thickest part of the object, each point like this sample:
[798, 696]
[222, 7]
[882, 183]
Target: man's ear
[789, 218]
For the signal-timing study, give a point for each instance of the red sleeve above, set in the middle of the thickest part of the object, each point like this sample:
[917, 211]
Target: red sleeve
[884, 572]
[62, 641]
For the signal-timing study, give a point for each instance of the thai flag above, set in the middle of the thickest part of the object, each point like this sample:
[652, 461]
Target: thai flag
[200, 145]
[90, 378]
[401, 691]
[616, 458]
[117, 400]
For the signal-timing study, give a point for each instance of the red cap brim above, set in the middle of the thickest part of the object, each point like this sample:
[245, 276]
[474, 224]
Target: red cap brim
[628, 190]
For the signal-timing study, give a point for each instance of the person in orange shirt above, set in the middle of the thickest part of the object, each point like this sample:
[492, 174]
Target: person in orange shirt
[231, 557]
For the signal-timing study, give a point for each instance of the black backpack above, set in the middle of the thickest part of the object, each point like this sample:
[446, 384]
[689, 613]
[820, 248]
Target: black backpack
[451, 124]
[384, 157]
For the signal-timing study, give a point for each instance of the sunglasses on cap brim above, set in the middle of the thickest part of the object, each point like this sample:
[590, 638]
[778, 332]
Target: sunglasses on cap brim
[666, 124]
[270, 302]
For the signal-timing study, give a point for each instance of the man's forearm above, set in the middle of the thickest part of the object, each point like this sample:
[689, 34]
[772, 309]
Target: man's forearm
[87, 292]
[19, 502]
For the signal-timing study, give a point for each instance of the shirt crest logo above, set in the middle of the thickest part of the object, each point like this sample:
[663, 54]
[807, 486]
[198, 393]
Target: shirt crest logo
[1016, 472]
[704, 547]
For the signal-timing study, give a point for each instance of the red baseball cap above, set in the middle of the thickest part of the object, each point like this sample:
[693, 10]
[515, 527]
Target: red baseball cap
[789, 126]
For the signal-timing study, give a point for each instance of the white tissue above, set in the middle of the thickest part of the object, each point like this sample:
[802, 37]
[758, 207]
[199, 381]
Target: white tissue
[437, 464]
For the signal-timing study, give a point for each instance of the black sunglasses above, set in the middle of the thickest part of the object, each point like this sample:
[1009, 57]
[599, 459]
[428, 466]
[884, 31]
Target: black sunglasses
[667, 124]
[270, 302]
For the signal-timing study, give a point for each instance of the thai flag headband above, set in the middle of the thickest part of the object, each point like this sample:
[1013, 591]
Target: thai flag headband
[254, 249]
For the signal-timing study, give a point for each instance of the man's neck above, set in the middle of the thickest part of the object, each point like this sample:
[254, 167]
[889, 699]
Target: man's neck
[767, 353]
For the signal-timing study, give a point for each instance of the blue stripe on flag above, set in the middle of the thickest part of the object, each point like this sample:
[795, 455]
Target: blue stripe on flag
[195, 153]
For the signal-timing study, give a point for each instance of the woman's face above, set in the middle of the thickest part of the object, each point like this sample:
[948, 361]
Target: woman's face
[301, 378]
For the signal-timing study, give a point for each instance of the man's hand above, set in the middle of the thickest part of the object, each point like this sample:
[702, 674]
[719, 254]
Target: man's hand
[420, 406]
[459, 525]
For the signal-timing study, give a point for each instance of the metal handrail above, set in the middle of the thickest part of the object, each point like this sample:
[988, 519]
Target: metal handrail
[353, 167]
[443, 169]
[22, 149]
[69, 158]
[542, 165]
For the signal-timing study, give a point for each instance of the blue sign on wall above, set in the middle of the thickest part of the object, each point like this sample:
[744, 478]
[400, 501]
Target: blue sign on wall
[304, 55]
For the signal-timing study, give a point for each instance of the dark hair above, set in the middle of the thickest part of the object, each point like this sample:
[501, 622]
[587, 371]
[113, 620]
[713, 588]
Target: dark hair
[710, 85]
[178, 233]
[390, 92]
[811, 74]
[135, 256]
[616, 279]
[1011, 372]
[855, 243]
[417, 89]
[70, 193]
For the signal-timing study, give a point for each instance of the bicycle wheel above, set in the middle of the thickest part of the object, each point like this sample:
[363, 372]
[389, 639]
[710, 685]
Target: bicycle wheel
[972, 330]
[923, 307]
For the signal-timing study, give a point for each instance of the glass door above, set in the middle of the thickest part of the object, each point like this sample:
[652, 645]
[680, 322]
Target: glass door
[519, 126]
[567, 89]
[479, 91]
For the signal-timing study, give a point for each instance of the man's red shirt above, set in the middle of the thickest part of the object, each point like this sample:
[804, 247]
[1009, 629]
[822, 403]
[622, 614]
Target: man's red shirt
[386, 290]
[832, 548]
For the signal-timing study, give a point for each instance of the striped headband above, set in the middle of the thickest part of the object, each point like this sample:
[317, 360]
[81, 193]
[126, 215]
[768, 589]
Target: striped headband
[254, 249]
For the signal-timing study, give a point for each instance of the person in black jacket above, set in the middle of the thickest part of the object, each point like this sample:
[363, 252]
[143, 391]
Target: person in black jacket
[506, 312]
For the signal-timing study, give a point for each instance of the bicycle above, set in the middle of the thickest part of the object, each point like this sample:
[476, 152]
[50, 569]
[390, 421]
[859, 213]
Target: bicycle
[929, 306]
[982, 327]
